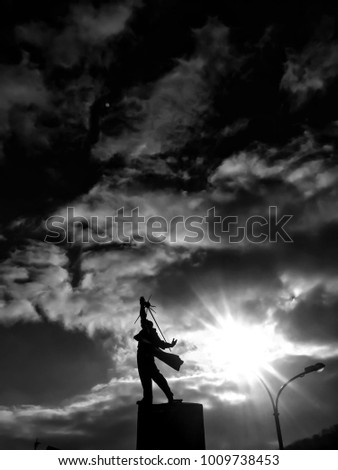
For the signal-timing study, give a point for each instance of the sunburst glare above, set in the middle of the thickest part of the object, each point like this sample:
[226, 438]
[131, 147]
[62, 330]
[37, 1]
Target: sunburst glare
[239, 348]
[235, 348]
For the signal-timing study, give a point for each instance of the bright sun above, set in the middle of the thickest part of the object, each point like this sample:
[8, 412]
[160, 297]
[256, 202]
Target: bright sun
[239, 350]
[230, 346]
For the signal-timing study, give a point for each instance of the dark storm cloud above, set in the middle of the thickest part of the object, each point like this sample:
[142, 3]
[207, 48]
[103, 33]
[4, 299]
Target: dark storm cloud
[48, 108]
[314, 318]
[164, 115]
[43, 364]
[83, 31]
[21, 86]
[213, 271]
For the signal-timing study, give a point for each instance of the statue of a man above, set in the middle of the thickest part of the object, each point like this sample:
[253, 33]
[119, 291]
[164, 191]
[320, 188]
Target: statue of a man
[149, 346]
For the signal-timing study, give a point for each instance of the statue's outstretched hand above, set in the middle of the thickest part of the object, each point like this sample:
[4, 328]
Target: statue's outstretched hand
[173, 343]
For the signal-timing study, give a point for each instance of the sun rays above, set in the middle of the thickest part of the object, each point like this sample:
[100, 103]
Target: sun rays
[231, 346]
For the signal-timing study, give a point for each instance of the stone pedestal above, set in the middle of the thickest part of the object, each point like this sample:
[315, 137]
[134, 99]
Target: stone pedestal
[170, 427]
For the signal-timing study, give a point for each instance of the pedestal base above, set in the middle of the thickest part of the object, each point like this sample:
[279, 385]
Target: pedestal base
[170, 427]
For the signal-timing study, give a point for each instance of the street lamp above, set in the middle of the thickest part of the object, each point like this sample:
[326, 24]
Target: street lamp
[318, 367]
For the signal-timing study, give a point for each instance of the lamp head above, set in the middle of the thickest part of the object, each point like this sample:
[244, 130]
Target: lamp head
[318, 367]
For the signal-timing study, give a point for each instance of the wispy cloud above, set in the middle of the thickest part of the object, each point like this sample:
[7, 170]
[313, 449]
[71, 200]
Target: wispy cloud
[311, 71]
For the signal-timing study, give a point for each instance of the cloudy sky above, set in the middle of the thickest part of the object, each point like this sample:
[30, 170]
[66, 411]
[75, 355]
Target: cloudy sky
[175, 107]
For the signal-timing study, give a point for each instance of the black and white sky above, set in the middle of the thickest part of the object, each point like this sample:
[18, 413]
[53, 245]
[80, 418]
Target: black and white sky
[174, 107]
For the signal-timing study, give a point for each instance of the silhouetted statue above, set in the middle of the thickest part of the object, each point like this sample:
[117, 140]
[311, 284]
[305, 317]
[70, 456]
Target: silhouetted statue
[150, 345]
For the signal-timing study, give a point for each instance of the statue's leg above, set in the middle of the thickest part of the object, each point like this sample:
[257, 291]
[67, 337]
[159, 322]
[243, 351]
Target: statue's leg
[161, 382]
[145, 373]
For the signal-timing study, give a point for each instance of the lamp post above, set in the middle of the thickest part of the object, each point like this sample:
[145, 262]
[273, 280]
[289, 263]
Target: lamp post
[318, 367]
